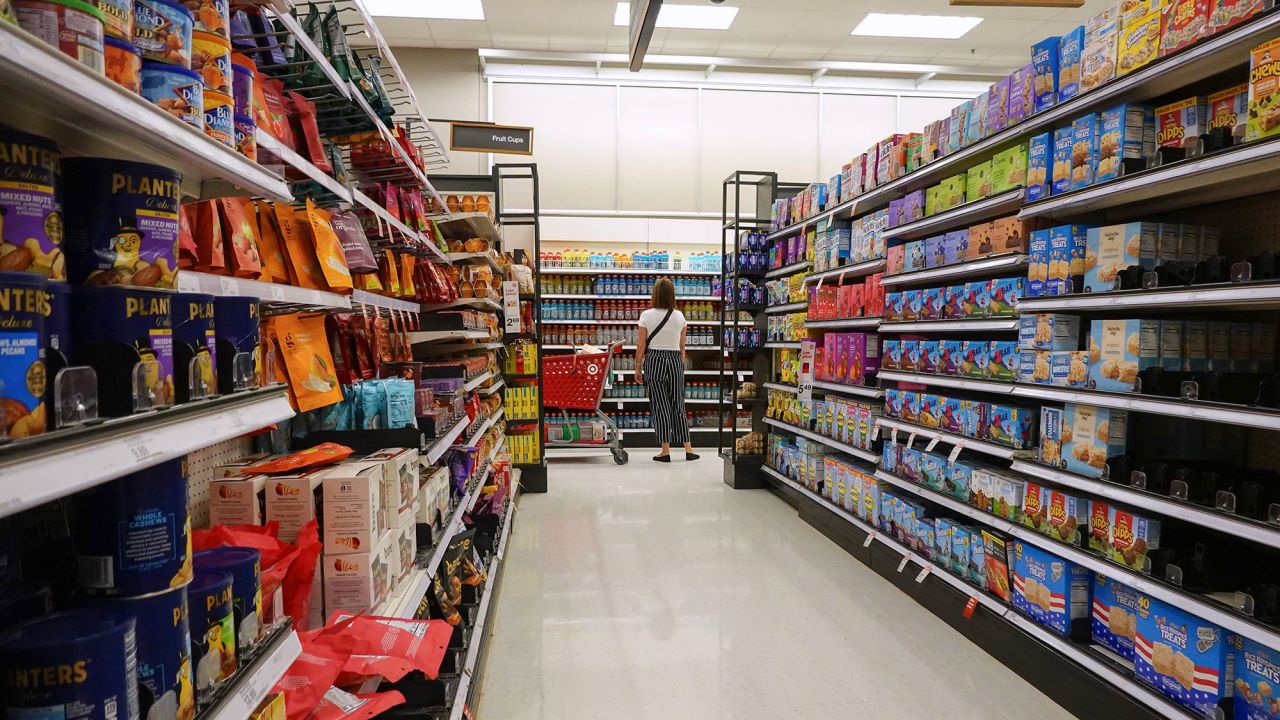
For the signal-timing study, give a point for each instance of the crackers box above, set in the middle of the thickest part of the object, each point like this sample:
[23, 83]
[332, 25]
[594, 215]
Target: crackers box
[1021, 94]
[1004, 294]
[1070, 55]
[1010, 234]
[1128, 133]
[1098, 62]
[980, 241]
[1069, 368]
[1084, 151]
[978, 183]
[1068, 517]
[1180, 124]
[974, 357]
[1182, 24]
[1228, 109]
[1139, 43]
[1132, 538]
[1257, 671]
[1120, 349]
[1011, 425]
[1044, 62]
[1113, 623]
[1009, 169]
[353, 507]
[1184, 657]
[1264, 91]
[1039, 166]
[1049, 331]
[1112, 248]
[1050, 590]
[996, 558]
[1038, 264]
[1002, 360]
[1063, 146]
[237, 500]
[1225, 13]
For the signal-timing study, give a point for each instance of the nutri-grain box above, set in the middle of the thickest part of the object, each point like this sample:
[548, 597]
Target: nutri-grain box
[1182, 24]
[1229, 109]
[1184, 657]
[1052, 591]
[1180, 124]
[1114, 619]
[1264, 91]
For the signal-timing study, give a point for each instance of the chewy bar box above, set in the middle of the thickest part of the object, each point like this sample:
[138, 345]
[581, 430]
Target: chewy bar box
[238, 500]
[1111, 249]
[1184, 657]
[1180, 124]
[353, 507]
[1264, 91]
[1050, 590]
[1121, 349]
[1044, 61]
[1128, 133]
[1039, 166]
[1113, 622]
[295, 500]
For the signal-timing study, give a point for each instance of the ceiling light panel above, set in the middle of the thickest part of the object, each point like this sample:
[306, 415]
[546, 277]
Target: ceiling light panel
[946, 27]
[687, 17]
[428, 9]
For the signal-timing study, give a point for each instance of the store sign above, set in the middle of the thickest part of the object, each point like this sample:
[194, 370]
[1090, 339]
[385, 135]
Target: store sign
[510, 306]
[804, 382]
[487, 137]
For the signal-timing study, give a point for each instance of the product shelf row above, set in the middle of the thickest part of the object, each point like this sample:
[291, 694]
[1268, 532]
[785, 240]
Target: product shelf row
[847, 272]
[859, 453]
[935, 436]
[1227, 296]
[951, 326]
[288, 295]
[625, 271]
[562, 296]
[633, 322]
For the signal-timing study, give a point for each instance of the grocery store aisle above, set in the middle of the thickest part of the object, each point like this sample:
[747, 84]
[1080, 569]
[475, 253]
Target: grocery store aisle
[654, 592]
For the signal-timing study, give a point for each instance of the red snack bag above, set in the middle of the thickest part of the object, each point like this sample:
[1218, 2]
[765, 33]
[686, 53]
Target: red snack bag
[310, 132]
[391, 200]
[342, 705]
[186, 240]
[419, 642]
[241, 239]
[299, 574]
[307, 680]
[208, 236]
[361, 667]
[318, 456]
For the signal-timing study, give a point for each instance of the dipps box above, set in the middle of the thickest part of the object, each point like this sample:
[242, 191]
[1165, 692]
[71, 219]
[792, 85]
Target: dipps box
[1132, 538]
[353, 507]
[1050, 590]
[1180, 124]
[1182, 656]
[1229, 109]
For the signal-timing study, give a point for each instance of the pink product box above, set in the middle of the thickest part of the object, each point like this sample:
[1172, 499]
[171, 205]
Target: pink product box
[895, 256]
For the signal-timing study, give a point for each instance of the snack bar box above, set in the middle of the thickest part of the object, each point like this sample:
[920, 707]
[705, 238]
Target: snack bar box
[1052, 591]
[1114, 619]
[1182, 656]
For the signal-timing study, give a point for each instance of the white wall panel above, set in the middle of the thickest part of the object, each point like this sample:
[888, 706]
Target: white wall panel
[574, 140]
[850, 125]
[658, 149]
[917, 112]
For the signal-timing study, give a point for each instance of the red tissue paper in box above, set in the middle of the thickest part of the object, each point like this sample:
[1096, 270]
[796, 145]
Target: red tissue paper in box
[286, 567]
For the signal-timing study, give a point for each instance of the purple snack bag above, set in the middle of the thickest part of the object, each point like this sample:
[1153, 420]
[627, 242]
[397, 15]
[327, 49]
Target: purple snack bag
[354, 243]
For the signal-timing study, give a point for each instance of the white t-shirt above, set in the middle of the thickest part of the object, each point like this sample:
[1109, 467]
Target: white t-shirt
[669, 338]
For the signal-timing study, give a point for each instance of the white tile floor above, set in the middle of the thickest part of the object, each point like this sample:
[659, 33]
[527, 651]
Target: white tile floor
[653, 591]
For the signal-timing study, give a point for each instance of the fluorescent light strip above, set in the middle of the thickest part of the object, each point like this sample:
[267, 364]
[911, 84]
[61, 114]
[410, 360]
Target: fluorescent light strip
[428, 9]
[687, 17]
[944, 27]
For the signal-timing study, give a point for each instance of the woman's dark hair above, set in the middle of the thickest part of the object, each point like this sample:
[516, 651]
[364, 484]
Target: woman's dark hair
[664, 294]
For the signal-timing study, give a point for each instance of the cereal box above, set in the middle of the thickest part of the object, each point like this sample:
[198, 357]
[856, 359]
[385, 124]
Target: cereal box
[955, 247]
[1084, 151]
[1044, 61]
[1182, 656]
[998, 106]
[1034, 366]
[1182, 24]
[1070, 50]
[1132, 537]
[1264, 91]
[1225, 13]
[1128, 133]
[1229, 109]
[1068, 517]
[1010, 425]
[1069, 368]
[974, 357]
[996, 555]
[1052, 591]
[1035, 507]
[1113, 248]
[977, 298]
[949, 354]
[1120, 350]
[1092, 435]
[1002, 361]
[1004, 294]
[1009, 169]
[1049, 331]
[1038, 264]
[1180, 124]
[934, 251]
[1039, 166]
[1063, 146]
[1098, 63]
[1114, 619]
[1257, 671]
[1139, 43]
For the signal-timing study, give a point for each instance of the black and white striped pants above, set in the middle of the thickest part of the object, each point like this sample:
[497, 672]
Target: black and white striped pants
[664, 377]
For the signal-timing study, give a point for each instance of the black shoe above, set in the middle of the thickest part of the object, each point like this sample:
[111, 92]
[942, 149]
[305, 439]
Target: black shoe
[691, 456]
[662, 458]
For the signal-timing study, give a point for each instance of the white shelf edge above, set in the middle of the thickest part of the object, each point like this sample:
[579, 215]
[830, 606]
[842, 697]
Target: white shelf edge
[1235, 294]
[991, 386]
[251, 690]
[477, 381]
[782, 345]
[859, 453]
[426, 336]
[861, 322]
[972, 268]
[271, 293]
[781, 387]
[784, 271]
[965, 213]
[788, 307]
[363, 297]
[624, 271]
[975, 325]
[493, 388]
[484, 258]
[444, 442]
[292, 159]
[860, 390]
[856, 270]
[480, 303]
[981, 446]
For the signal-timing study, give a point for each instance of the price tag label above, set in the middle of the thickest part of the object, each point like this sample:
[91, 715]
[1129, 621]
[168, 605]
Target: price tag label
[924, 573]
[188, 282]
[511, 306]
[955, 451]
[317, 298]
[893, 437]
[277, 293]
[871, 537]
[237, 420]
[911, 439]
[969, 607]
[903, 565]
[138, 448]
[932, 443]
[229, 286]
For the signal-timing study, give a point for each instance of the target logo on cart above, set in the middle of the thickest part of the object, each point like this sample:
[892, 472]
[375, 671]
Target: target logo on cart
[593, 369]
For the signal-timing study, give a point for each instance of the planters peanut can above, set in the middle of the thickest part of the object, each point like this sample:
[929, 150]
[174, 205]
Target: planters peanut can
[115, 330]
[213, 632]
[236, 327]
[77, 665]
[132, 536]
[24, 304]
[246, 586]
[31, 225]
[122, 222]
[165, 688]
[195, 346]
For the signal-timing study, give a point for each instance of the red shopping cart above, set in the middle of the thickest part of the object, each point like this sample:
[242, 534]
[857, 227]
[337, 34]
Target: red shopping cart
[577, 382]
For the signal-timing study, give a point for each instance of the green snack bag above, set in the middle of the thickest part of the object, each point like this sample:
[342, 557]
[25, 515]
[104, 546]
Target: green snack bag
[336, 47]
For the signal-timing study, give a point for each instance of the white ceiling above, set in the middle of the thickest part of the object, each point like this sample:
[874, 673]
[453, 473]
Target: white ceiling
[764, 29]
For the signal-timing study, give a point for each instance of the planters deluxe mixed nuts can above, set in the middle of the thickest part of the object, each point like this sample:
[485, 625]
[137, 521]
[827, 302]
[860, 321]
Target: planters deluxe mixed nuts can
[246, 588]
[195, 345]
[77, 665]
[24, 304]
[165, 689]
[30, 216]
[132, 535]
[122, 222]
[236, 327]
[115, 330]
[213, 633]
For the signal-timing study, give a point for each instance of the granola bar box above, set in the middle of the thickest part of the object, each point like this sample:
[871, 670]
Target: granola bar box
[1264, 91]
[1114, 618]
[1050, 590]
[1182, 656]
[1257, 671]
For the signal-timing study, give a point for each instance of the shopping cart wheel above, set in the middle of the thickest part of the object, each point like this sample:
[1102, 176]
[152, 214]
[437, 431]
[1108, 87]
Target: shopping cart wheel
[620, 456]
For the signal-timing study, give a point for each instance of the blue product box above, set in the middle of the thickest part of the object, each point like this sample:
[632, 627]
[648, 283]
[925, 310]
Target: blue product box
[1050, 590]
[951, 415]
[911, 512]
[1127, 133]
[1182, 656]
[1004, 294]
[949, 354]
[1002, 361]
[1069, 368]
[1039, 166]
[974, 357]
[1028, 372]
[961, 539]
[910, 406]
[890, 456]
[1070, 52]
[952, 302]
[955, 247]
[1038, 264]
[977, 298]
[915, 304]
[1114, 620]
[1062, 242]
[932, 302]
[895, 305]
[925, 537]
[887, 504]
[1257, 670]
[929, 404]
[1044, 65]
[891, 354]
[933, 470]
[976, 127]
[1011, 425]
[975, 419]
[934, 251]
[929, 356]
[942, 530]
[958, 477]
[1084, 151]
[977, 559]
[893, 403]
[1063, 141]
[910, 355]
[913, 256]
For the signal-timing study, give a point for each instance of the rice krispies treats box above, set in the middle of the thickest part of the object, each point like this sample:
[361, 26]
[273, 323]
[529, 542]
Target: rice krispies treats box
[1182, 656]
[1128, 133]
[1257, 675]
[1070, 54]
[1084, 151]
[1044, 60]
[1050, 590]
[1039, 166]
[1113, 621]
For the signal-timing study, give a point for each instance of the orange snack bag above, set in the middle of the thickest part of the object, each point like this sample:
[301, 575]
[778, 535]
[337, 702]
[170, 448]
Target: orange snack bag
[304, 350]
[208, 235]
[406, 273]
[296, 233]
[387, 269]
[241, 238]
[313, 457]
[186, 239]
[274, 267]
[328, 249]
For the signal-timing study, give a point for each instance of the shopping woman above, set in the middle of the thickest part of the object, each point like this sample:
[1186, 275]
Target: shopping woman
[660, 366]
